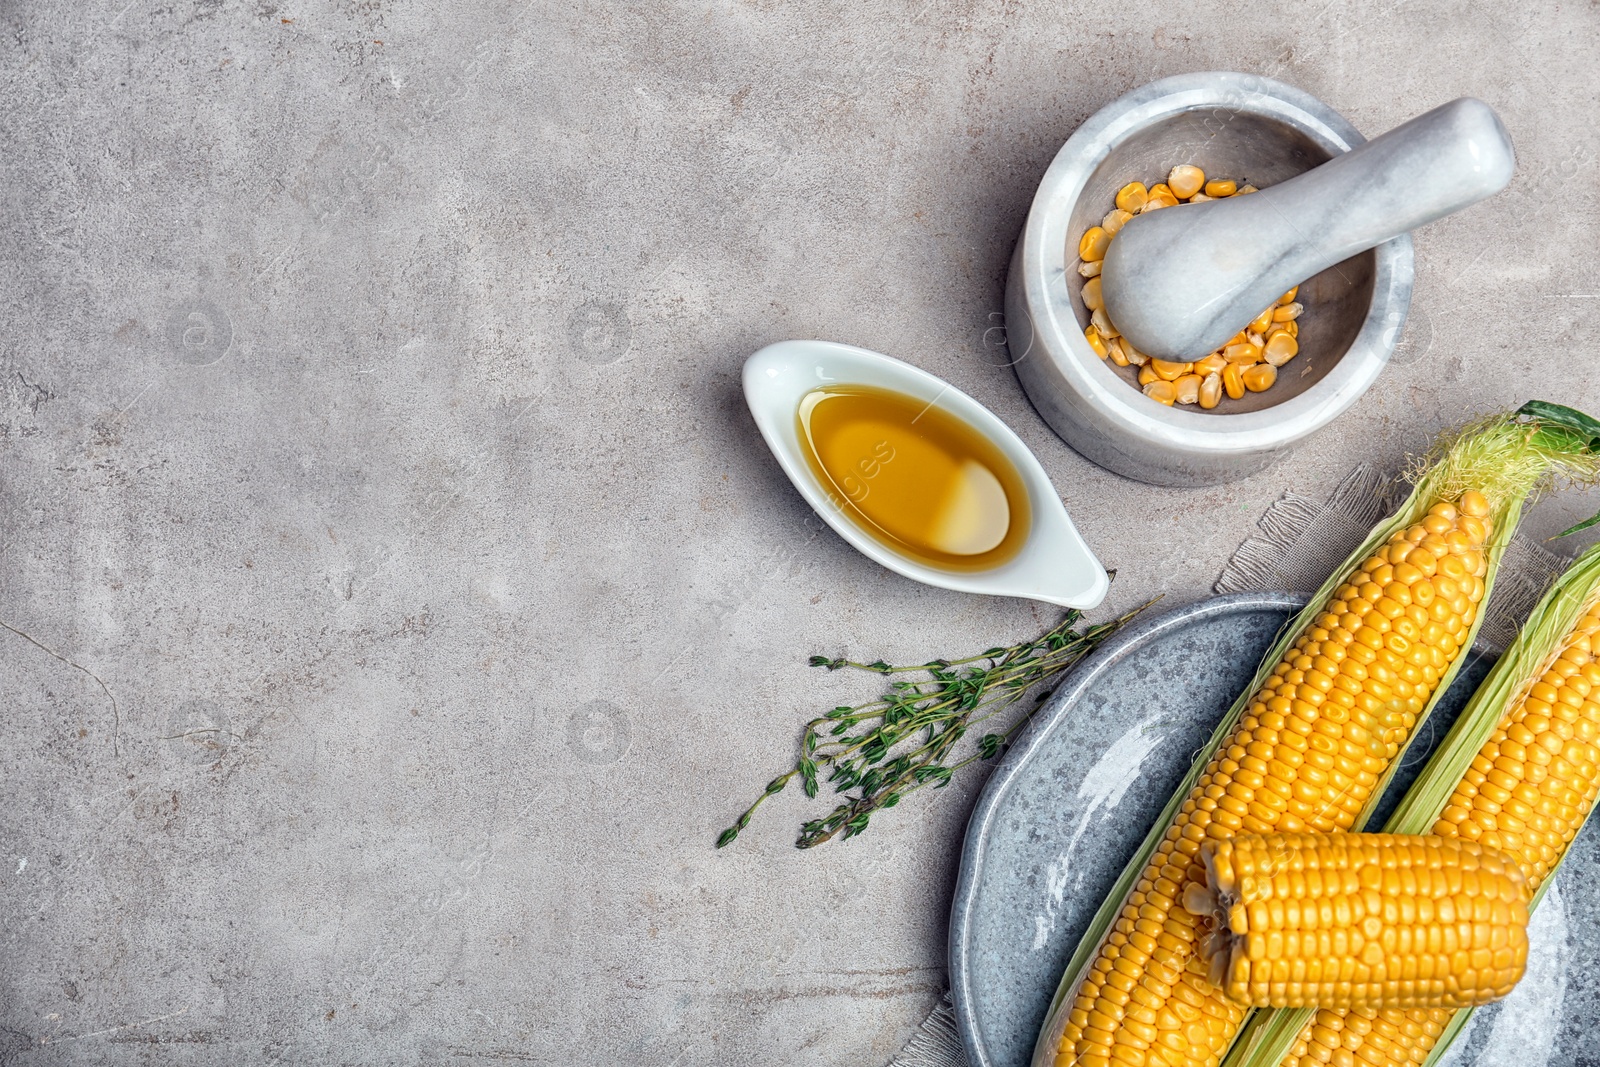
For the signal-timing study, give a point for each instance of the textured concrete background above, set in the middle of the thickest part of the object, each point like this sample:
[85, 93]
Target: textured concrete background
[397, 597]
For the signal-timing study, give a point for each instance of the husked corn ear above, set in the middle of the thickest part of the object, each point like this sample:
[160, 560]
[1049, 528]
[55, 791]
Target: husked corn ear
[1306, 755]
[1526, 793]
[1361, 920]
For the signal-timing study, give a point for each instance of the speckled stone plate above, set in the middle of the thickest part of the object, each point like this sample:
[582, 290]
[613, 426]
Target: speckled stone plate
[1071, 801]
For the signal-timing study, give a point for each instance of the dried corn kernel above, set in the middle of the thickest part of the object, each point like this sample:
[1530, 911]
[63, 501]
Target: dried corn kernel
[1221, 187]
[1169, 371]
[1233, 381]
[1091, 295]
[1185, 180]
[1131, 197]
[1092, 245]
[1288, 298]
[1136, 357]
[1243, 354]
[1147, 375]
[1281, 348]
[1116, 348]
[1211, 391]
[1188, 388]
[1115, 219]
[1212, 364]
[1285, 312]
[1103, 324]
[1259, 378]
[1161, 392]
[1092, 335]
[1090, 270]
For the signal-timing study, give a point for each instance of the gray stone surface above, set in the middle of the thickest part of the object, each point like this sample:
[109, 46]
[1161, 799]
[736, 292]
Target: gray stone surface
[397, 597]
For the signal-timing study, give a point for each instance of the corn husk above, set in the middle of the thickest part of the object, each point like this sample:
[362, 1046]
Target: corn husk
[1507, 457]
[1269, 1035]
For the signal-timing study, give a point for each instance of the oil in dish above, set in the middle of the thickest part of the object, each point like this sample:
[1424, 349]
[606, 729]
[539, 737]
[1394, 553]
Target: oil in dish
[915, 477]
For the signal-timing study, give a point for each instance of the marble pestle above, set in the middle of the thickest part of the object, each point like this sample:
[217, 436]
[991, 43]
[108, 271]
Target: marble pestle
[1178, 283]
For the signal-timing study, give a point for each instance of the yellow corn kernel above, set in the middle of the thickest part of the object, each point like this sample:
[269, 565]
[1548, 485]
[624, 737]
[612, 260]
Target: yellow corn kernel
[1162, 189]
[1281, 348]
[1161, 392]
[1233, 380]
[1212, 364]
[1115, 219]
[1168, 371]
[1285, 312]
[1131, 197]
[1363, 920]
[1096, 342]
[1260, 323]
[1136, 357]
[1116, 348]
[1188, 388]
[1211, 391]
[1103, 323]
[1220, 187]
[1251, 785]
[1245, 190]
[1091, 295]
[1259, 378]
[1090, 270]
[1288, 298]
[1293, 326]
[1200, 198]
[1147, 375]
[1185, 180]
[1092, 245]
[1243, 354]
[1160, 200]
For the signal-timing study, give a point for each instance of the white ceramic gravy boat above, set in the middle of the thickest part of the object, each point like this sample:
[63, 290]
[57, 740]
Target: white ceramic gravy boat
[1053, 565]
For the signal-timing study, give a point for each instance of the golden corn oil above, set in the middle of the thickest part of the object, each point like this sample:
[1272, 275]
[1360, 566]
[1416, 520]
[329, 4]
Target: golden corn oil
[915, 477]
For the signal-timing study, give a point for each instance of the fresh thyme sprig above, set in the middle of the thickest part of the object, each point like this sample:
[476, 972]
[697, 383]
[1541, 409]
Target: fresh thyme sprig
[879, 752]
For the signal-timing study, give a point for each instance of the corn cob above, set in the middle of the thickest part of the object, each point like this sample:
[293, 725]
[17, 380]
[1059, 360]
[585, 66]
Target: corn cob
[1352, 920]
[1527, 792]
[1307, 755]
[1310, 745]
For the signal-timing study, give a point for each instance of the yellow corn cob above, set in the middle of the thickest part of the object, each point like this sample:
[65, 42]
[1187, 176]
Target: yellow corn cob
[1361, 920]
[1526, 793]
[1306, 755]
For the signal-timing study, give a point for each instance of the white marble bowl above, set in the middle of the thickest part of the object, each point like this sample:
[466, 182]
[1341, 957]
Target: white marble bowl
[1238, 126]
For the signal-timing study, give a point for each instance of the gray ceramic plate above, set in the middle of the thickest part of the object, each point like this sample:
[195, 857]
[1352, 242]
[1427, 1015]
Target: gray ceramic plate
[1071, 801]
